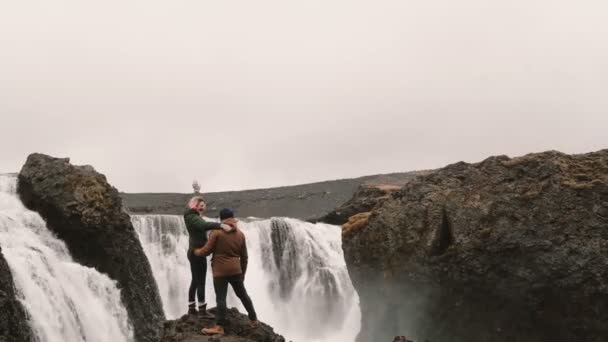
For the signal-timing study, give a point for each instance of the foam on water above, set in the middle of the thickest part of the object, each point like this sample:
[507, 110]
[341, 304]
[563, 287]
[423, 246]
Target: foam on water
[65, 301]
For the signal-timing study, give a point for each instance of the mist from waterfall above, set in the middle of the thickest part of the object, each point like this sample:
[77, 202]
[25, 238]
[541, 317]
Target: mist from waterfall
[64, 300]
[297, 277]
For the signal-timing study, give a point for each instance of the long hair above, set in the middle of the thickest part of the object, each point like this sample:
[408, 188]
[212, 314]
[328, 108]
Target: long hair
[194, 202]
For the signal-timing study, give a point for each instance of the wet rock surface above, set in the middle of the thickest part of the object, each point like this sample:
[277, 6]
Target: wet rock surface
[13, 318]
[188, 329]
[86, 212]
[502, 250]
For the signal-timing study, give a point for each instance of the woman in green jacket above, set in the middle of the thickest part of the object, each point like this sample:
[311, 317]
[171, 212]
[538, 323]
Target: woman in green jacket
[197, 230]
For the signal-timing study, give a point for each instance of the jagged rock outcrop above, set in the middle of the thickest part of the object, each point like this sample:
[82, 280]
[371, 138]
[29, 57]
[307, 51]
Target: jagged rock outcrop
[502, 250]
[187, 329]
[86, 212]
[365, 199]
[355, 223]
[13, 318]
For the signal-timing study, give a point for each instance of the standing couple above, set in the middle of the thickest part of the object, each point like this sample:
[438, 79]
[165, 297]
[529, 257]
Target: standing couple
[228, 264]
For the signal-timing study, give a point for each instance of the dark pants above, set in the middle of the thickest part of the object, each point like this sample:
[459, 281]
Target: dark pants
[221, 291]
[198, 268]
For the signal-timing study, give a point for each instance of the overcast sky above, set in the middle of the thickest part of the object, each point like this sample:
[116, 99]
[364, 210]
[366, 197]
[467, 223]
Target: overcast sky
[249, 94]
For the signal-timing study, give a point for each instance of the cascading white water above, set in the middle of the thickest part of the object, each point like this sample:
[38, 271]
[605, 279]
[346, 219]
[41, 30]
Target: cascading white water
[65, 301]
[165, 243]
[297, 276]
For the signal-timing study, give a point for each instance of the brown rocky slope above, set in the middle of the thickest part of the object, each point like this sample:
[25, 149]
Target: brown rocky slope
[305, 201]
[502, 250]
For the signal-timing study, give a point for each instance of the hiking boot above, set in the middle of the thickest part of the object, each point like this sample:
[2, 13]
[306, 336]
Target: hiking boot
[191, 309]
[216, 330]
[203, 313]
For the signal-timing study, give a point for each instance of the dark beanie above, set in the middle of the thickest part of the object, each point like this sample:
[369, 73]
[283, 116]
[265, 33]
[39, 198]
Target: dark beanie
[226, 213]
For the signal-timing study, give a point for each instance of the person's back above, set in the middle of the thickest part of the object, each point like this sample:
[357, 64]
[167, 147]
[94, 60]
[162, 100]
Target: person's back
[229, 264]
[230, 253]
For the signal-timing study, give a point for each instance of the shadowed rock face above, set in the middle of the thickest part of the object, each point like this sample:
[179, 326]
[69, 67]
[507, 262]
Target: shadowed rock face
[503, 250]
[86, 212]
[187, 329]
[13, 319]
[365, 199]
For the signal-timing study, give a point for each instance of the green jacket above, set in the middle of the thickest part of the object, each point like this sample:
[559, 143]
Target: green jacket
[197, 228]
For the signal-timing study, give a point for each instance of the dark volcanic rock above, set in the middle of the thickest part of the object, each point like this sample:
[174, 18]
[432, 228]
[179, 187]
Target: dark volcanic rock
[503, 250]
[366, 198]
[187, 329]
[85, 211]
[13, 318]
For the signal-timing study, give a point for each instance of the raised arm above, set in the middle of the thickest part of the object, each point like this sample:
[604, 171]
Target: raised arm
[209, 247]
[199, 224]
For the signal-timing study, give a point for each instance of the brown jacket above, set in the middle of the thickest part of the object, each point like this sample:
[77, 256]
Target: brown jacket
[229, 252]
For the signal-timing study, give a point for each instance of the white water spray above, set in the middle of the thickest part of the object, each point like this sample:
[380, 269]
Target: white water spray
[297, 276]
[64, 300]
[164, 240]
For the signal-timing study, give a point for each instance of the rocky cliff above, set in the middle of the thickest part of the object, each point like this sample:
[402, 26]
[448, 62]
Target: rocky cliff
[365, 199]
[86, 212]
[187, 329]
[502, 250]
[13, 318]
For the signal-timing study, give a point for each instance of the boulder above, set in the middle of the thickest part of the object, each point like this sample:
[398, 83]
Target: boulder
[187, 329]
[13, 318]
[365, 199]
[501, 250]
[355, 223]
[86, 212]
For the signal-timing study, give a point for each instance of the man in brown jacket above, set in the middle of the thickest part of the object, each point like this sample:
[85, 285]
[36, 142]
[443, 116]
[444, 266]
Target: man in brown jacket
[228, 264]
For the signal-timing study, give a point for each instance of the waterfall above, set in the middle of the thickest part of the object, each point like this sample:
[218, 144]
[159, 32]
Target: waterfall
[165, 242]
[64, 300]
[297, 277]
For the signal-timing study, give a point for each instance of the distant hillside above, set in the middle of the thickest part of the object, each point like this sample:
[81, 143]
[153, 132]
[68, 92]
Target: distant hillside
[304, 201]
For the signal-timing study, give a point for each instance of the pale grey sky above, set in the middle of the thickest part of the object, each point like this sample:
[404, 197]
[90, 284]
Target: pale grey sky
[248, 94]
